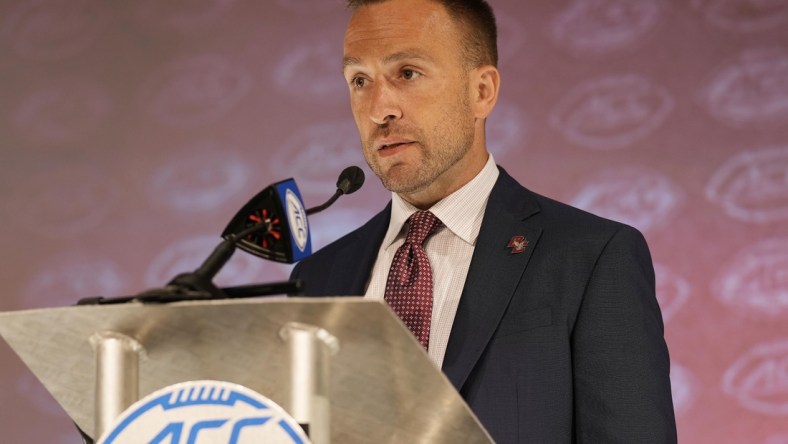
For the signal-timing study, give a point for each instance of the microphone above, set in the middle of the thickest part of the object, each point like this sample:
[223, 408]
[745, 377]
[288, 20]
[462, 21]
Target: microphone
[350, 180]
[272, 225]
[282, 232]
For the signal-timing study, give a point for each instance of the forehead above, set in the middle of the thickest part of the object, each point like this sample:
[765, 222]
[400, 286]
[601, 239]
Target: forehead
[393, 26]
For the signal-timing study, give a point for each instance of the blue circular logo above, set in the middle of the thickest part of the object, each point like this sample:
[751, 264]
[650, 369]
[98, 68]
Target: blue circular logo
[205, 412]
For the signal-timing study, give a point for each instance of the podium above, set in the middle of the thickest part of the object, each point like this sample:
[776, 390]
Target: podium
[382, 387]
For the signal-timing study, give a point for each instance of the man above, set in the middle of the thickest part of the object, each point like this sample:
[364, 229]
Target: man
[543, 316]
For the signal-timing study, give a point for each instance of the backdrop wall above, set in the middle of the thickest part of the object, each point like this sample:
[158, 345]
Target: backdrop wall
[131, 132]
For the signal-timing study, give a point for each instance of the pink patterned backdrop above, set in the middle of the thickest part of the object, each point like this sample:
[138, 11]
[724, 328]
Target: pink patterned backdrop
[132, 131]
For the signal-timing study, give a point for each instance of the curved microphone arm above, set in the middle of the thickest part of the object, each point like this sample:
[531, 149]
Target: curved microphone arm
[350, 180]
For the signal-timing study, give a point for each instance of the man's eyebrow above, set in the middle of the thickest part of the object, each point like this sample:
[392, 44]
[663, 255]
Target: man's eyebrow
[349, 61]
[404, 55]
[391, 58]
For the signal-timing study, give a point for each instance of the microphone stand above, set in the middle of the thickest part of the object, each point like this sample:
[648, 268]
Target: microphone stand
[198, 285]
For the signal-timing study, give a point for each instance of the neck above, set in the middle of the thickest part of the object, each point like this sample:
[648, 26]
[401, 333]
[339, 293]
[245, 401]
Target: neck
[449, 182]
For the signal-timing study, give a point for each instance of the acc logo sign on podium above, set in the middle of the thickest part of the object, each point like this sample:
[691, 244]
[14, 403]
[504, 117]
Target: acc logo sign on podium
[205, 412]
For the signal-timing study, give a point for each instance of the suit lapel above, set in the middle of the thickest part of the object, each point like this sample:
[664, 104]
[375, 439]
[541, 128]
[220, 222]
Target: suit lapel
[352, 265]
[494, 274]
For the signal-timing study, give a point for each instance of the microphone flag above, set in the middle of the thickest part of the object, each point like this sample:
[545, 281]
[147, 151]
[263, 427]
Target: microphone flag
[285, 236]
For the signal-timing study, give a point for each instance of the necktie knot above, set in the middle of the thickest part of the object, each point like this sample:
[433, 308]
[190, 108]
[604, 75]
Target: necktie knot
[421, 225]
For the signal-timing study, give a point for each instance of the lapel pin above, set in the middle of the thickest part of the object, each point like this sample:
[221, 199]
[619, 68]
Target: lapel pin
[518, 244]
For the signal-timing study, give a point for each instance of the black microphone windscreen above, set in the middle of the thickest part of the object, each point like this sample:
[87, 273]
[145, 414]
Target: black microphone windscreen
[350, 180]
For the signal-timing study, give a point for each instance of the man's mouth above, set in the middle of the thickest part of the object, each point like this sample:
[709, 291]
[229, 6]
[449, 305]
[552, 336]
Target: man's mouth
[394, 148]
[393, 144]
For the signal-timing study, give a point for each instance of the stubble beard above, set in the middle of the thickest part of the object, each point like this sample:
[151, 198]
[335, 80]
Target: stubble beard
[437, 157]
[436, 160]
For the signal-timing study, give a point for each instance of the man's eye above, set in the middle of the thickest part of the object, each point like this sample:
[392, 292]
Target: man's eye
[409, 74]
[357, 82]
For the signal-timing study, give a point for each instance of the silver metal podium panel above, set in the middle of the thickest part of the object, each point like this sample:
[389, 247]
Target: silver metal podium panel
[384, 388]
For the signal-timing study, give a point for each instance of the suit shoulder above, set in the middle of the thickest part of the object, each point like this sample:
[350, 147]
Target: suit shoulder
[561, 215]
[512, 195]
[568, 225]
[561, 220]
[555, 208]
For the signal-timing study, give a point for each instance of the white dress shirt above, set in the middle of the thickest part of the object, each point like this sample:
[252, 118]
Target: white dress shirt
[449, 250]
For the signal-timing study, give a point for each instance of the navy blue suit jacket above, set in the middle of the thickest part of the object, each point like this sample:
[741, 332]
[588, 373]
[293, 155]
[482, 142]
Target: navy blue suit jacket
[561, 343]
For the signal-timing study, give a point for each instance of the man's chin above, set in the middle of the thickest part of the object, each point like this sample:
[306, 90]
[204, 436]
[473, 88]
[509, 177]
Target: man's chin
[404, 185]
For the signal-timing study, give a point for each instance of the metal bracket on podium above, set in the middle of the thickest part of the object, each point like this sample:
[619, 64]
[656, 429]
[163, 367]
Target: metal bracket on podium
[310, 349]
[117, 376]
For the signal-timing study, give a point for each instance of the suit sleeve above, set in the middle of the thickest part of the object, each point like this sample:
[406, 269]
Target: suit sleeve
[620, 359]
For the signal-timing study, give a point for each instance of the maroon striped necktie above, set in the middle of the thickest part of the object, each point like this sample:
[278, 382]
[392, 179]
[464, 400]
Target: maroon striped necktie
[409, 285]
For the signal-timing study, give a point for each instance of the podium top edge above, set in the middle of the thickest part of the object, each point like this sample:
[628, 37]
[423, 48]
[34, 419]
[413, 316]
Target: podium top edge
[245, 301]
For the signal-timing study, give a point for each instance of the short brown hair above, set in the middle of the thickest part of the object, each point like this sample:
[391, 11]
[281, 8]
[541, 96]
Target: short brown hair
[480, 44]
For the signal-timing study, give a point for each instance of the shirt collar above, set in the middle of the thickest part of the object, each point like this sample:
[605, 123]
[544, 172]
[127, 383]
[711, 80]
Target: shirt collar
[461, 212]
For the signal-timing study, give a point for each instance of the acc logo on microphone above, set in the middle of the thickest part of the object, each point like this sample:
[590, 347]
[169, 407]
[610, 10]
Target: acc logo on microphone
[205, 412]
[296, 215]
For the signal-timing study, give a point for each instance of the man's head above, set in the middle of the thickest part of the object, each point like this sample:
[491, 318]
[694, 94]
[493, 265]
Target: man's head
[420, 94]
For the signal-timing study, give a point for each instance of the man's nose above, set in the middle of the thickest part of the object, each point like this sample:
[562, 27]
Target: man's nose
[385, 104]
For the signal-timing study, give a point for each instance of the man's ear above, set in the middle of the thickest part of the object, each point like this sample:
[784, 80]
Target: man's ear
[485, 85]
